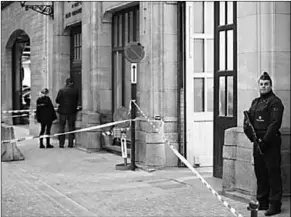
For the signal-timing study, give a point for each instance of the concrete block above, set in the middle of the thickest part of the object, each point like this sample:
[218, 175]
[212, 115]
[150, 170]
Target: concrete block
[140, 147]
[154, 138]
[171, 158]
[267, 7]
[155, 154]
[285, 173]
[285, 97]
[9, 151]
[282, 32]
[244, 154]
[244, 176]
[246, 9]
[229, 152]
[247, 34]
[230, 137]
[228, 176]
[282, 7]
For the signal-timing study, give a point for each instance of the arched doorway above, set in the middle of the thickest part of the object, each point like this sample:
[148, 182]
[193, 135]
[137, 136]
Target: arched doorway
[19, 46]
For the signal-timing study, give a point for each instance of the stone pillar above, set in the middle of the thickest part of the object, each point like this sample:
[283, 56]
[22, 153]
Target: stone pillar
[96, 72]
[263, 45]
[59, 50]
[87, 28]
[39, 64]
[157, 86]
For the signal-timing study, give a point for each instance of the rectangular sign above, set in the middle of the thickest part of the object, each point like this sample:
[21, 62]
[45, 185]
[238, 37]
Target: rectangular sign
[72, 13]
[133, 69]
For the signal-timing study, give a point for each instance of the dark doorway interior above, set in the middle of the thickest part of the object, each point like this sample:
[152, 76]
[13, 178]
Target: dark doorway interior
[21, 72]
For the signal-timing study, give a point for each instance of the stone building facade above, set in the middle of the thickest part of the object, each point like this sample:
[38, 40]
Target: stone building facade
[85, 40]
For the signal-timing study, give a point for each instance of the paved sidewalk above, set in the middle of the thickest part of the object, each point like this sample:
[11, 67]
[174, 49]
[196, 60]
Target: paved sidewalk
[69, 182]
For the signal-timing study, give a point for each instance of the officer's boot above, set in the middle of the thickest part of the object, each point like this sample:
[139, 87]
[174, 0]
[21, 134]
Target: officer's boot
[48, 145]
[274, 208]
[41, 143]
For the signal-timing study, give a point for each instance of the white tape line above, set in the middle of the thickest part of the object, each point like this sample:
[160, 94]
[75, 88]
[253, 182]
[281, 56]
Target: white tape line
[30, 110]
[19, 111]
[75, 131]
[231, 209]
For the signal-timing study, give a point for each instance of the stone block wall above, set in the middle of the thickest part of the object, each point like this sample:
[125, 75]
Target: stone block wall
[238, 166]
[15, 20]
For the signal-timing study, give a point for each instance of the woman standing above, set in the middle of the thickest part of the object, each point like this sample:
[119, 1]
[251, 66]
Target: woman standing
[45, 115]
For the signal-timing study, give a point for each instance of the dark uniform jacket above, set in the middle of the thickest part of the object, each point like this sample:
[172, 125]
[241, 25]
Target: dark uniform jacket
[45, 111]
[67, 99]
[266, 114]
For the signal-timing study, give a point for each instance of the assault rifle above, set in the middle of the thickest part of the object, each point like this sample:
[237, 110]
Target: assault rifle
[253, 132]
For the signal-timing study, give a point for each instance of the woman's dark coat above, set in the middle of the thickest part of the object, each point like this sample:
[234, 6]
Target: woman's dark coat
[45, 112]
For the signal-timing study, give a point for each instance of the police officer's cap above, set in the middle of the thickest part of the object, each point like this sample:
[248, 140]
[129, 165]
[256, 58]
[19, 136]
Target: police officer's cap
[266, 76]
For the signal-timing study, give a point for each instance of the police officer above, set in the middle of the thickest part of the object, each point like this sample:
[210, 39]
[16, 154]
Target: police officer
[266, 114]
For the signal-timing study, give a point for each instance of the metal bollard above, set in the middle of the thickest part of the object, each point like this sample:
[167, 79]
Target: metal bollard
[253, 207]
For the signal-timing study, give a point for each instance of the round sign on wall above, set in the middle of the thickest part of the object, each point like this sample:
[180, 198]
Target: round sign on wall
[134, 52]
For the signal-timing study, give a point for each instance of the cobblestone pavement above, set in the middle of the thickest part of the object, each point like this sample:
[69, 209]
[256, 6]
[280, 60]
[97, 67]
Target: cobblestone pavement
[68, 182]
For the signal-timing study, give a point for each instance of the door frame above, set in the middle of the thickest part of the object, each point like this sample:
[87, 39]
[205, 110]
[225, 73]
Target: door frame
[224, 122]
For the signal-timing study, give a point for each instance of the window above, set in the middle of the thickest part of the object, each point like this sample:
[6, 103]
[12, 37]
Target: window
[76, 59]
[203, 50]
[226, 58]
[125, 28]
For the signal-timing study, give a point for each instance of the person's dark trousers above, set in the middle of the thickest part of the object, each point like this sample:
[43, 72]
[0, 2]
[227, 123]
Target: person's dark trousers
[45, 128]
[268, 174]
[63, 119]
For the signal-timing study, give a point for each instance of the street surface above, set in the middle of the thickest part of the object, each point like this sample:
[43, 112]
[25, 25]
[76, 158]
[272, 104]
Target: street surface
[69, 182]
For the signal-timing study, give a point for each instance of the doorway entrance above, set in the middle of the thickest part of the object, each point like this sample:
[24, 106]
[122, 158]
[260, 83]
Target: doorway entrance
[21, 85]
[225, 77]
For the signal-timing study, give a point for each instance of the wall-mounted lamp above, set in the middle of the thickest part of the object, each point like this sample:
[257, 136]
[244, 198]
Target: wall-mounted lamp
[43, 9]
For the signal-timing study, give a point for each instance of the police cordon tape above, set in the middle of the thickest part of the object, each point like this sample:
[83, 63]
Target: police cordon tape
[14, 116]
[19, 111]
[75, 131]
[225, 203]
[28, 110]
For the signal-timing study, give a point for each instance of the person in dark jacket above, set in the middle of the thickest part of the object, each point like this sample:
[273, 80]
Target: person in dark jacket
[266, 114]
[67, 99]
[45, 115]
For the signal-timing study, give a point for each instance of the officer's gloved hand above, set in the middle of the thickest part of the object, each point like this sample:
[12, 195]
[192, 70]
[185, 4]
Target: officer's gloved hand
[262, 145]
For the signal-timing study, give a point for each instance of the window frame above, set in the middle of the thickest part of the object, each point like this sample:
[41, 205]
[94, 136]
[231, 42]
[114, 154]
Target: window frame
[206, 73]
[119, 48]
[227, 72]
[76, 64]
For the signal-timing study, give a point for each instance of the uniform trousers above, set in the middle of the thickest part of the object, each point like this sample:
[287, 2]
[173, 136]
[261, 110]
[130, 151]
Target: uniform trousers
[268, 172]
